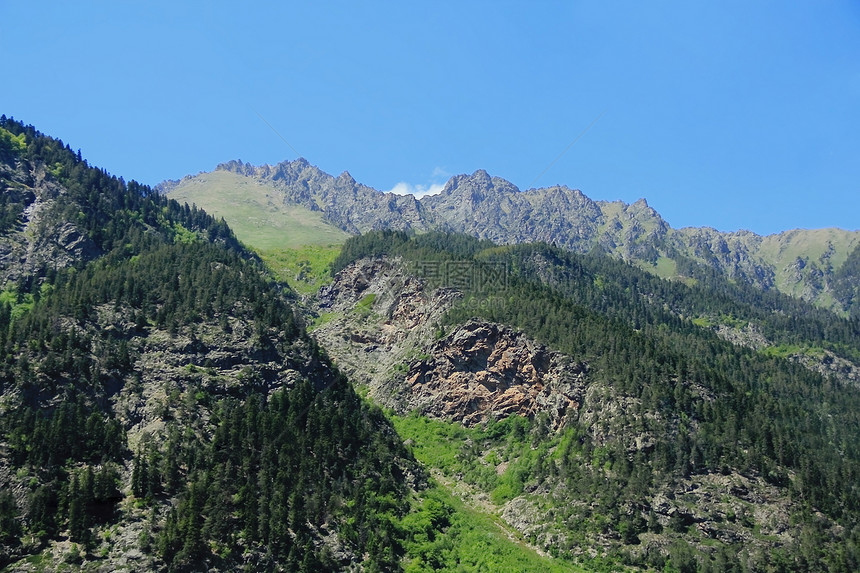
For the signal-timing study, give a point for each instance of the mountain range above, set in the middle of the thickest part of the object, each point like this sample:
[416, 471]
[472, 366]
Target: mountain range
[331, 378]
[819, 265]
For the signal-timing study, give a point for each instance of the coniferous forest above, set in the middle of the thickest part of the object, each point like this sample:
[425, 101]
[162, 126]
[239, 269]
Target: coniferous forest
[237, 475]
[713, 407]
[163, 406]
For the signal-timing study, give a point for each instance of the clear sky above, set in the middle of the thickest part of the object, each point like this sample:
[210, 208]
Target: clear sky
[732, 114]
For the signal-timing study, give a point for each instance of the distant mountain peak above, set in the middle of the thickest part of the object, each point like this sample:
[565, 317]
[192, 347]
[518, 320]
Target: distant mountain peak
[493, 208]
[481, 175]
[346, 178]
[478, 186]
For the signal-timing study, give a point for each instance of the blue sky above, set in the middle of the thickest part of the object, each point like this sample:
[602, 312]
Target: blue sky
[731, 114]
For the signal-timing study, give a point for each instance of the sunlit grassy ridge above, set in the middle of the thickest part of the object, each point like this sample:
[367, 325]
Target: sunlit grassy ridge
[786, 248]
[293, 241]
[256, 212]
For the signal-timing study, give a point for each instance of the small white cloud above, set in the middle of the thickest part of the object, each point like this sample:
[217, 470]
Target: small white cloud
[440, 173]
[404, 188]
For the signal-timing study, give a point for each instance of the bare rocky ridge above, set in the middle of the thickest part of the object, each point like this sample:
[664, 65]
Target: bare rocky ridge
[800, 263]
[353, 207]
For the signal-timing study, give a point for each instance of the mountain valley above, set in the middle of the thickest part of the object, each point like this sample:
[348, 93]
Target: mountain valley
[333, 378]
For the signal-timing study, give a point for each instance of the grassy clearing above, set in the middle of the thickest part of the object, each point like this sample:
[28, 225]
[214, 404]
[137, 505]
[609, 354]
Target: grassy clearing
[435, 444]
[496, 458]
[363, 307]
[305, 268]
[664, 268]
[446, 534]
[467, 537]
[724, 319]
[786, 350]
[321, 320]
[256, 212]
[21, 303]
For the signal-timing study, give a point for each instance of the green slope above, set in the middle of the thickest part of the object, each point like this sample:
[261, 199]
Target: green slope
[256, 211]
[827, 249]
[471, 536]
[294, 242]
[672, 416]
[244, 445]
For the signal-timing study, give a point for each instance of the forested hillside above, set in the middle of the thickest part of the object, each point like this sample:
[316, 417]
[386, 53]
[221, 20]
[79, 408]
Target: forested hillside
[683, 447]
[161, 407]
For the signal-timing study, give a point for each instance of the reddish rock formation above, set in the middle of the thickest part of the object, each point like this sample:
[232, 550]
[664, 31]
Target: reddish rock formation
[484, 370]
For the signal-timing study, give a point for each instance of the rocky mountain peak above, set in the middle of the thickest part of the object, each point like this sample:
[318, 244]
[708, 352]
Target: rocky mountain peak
[481, 177]
[296, 170]
[478, 186]
[492, 208]
[237, 166]
[345, 179]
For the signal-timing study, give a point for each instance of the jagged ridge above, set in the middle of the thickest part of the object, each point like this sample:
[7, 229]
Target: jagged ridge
[805, 264]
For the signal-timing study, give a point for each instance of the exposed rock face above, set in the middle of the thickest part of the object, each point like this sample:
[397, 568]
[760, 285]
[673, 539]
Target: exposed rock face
[484, 370]
[43, 237]
[477, 372]
[495, 209]
[379, 318]
[829, 364]
[736, 254]
[749, 336]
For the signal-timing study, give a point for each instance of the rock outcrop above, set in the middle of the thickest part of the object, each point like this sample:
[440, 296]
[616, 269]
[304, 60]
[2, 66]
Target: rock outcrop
[43, 237]
[383, 328]
[375, 319]
[484, 370]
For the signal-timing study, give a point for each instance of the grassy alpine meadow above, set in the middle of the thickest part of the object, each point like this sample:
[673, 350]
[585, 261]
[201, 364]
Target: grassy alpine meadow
[294, 242]
[305, 268]
[256, 212]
